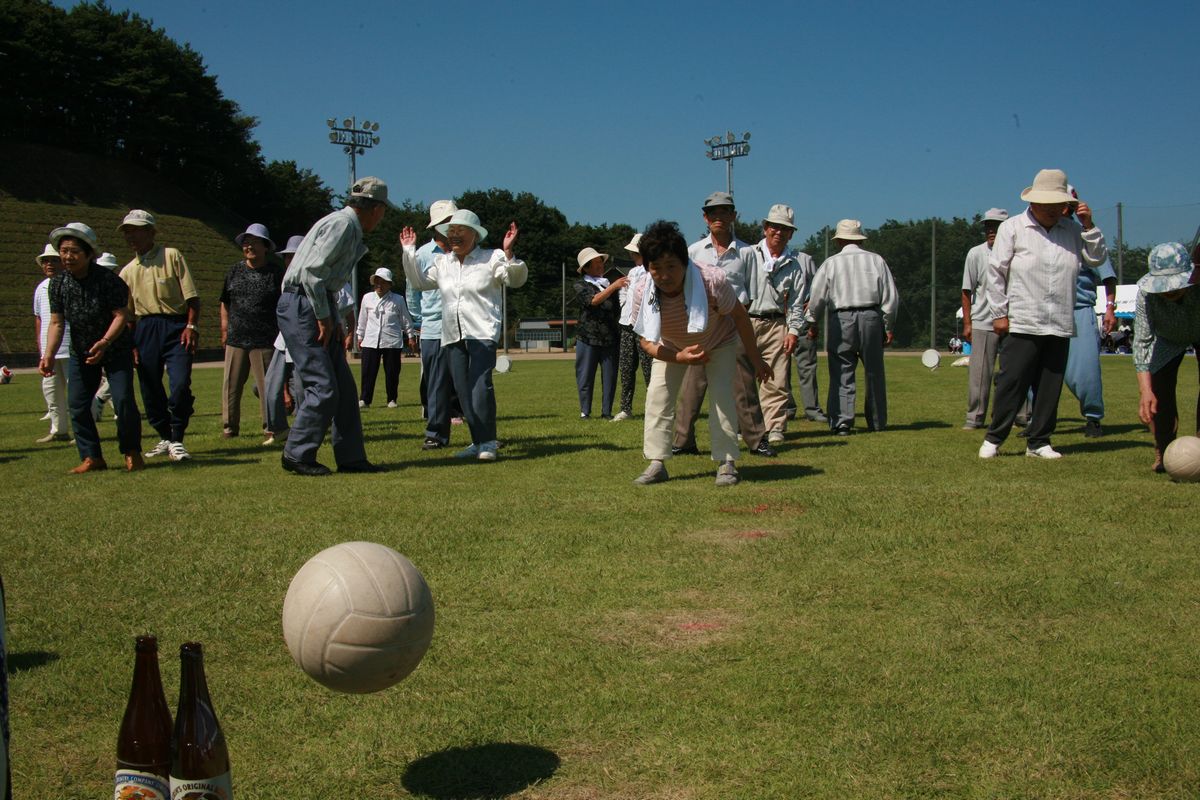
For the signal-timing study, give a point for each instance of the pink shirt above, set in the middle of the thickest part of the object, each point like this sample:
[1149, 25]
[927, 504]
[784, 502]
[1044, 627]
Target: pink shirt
[721, 302]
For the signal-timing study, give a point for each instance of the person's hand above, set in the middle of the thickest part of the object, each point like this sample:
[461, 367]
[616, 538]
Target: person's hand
[137, 361]
[325, 330]
[789, 343]
[289, 403]
[888, 338]
[97, 351]
[510, 238]
[189, 339]
[966, 334]
[408, 237]
[763, 371]
[348, 341]
[1110, 319]
[46, 367]
[692, 354]
[1000, 326]
[1084, 213]
[812, 333]
[621, 282]
[1147, 407]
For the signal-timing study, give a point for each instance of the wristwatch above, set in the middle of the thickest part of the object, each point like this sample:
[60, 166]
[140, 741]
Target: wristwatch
[190, 327]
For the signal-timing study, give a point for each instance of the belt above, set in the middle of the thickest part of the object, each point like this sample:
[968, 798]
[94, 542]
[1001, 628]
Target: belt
[772, 315]
[291, 290]
[859, 308]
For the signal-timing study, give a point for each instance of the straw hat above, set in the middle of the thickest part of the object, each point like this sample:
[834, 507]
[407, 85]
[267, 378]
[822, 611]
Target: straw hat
[586, 256]
[1049, 186]
[849, 230]
[1170, 269]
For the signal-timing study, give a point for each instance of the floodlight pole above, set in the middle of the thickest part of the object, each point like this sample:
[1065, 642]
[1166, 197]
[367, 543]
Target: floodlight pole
[727, 149]
[354, 140]
[933, 283]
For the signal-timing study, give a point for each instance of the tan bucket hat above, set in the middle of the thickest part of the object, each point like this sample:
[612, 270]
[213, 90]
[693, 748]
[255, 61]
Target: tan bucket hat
[633, 243]
[849, 230]
[1049, 186]
[138, 218]
[781, 215]
[585, 257]
[441, 211]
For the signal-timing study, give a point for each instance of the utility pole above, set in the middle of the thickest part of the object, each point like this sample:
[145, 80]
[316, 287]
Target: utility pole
[1120, 246]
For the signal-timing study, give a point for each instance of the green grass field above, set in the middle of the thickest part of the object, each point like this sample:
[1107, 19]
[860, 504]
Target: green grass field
[883, 616]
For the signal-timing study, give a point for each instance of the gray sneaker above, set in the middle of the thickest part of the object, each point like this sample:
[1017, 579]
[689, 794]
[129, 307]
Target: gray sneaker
[727, 474]
[655, 473]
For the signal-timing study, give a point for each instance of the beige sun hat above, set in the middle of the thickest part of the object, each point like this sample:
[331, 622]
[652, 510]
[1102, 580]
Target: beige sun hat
[585, 257]
[849, 230]
[781, 215]
[138, 218]
[76, 230]
[440, 212]
[383, 273]
[108, 261]
[1049, 186]
[49, 252]
[465, 218]
[995, 215]
[633, 243]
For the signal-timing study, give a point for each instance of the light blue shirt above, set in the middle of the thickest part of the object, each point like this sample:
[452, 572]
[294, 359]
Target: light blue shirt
[704, 253]
[325, 260]
[426, 306]
[1089, 278]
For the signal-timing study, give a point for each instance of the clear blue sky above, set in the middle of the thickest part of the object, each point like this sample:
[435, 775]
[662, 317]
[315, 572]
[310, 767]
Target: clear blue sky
[873, 111]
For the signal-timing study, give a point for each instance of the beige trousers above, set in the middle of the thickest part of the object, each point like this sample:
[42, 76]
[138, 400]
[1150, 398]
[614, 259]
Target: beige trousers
[663, 393]
[239, 364]
[773, 394]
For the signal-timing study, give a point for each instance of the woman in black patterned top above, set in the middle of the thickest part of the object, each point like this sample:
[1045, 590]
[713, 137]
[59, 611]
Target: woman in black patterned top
[597, 337]
[95, 301]
[248, 326]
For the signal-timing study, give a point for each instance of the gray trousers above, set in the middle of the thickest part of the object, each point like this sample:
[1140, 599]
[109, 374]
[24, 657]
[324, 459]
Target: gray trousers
[279, 373]
[805, 356]
[984, 345]
[330, 395]
[852, 336]
[745, 400]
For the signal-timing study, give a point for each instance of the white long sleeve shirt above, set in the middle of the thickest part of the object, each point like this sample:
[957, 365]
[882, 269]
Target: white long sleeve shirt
[383, 322]
[1032, 273]
[471, 290]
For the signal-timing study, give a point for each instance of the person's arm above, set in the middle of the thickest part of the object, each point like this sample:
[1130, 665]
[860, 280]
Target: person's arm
[608, 291]
[116, 328]
[510, 270]
[1147, 402]
[741, 321]
[692, 354]
[966, 309]
[408, 259]
[999, 264]
[37, 332]
[1095, 251]
[54, 337]
[224, 323]
[363, 311]
[889, 304]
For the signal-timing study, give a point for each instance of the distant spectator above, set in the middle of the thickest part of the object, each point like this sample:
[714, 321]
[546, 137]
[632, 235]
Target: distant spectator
[383, 327]
[630, 353]
[54, 387]
[248, 325]
[597, 337]
[471, 282]
[95, 303]
[1166, 325]
[164, 299]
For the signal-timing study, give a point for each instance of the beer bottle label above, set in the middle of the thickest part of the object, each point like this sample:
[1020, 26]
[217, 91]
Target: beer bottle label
[218, 788]
[134, 785]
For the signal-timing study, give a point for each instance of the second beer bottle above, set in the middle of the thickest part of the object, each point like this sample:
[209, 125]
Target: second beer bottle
[199, 757]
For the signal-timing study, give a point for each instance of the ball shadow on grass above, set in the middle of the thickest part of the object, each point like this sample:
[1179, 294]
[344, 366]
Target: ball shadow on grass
[22, 661]
[479, 772]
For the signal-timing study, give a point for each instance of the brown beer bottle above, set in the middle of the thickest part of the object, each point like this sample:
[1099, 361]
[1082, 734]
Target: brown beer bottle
[144, 743]
[199, 757]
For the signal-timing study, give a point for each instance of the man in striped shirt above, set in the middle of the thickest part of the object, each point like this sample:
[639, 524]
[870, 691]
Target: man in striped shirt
[858, 286]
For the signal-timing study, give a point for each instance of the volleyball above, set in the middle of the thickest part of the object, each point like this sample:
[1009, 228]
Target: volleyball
[1182, 459]
[358, 617]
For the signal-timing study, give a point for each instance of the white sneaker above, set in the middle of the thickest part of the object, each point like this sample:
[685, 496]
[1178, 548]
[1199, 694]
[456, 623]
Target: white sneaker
[44, 417]
[161, 449]
[988, 450]
[487, 451]
[471, 451]
[1045, 451]
[727, 474]
[362, 404]
[775, 437]
[178, 452]
[392, 404]
[621, 416]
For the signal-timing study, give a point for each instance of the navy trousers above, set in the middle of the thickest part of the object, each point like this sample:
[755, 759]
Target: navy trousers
[83, 381]
[471, 362]
[587, 358]
[157, 341]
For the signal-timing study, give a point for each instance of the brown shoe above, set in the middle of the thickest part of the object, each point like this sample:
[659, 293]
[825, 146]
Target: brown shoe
[90, 465]
[134, 462]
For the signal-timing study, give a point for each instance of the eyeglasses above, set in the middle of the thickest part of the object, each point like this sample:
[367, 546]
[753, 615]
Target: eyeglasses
[71, 251]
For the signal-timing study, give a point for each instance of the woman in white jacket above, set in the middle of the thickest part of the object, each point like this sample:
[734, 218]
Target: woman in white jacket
[471, 282]
[384, 325]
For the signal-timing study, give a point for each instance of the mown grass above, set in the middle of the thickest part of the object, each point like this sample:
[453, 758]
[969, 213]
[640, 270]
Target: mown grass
[878, 616]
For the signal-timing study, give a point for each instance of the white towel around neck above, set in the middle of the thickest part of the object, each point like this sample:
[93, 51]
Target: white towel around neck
[648, 324]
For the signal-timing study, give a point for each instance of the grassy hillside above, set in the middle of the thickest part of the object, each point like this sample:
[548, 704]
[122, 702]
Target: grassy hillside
[42, 188]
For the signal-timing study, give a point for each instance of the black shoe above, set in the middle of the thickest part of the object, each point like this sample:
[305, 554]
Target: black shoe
[764, 449]
[690, 450]
[842, 430]
[791, 413]
[363, 466]
[1093, 430]
[432, 443]
[310, 469]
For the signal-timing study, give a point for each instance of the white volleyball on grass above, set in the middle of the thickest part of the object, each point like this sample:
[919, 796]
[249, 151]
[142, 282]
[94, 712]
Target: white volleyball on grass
[358, 617]
[1182, 459]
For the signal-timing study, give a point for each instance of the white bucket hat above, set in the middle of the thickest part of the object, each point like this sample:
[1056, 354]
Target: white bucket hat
[633, 243]
[77, 230]
[1049, 186]
[138, 218]
[585, 257]
[849, 230]
[258, 230]
[383, 273]
[107, 260]
[467, 219]
[781, 215]
[995, 215]
[440, 212]
[49, 252]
